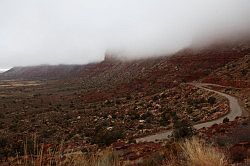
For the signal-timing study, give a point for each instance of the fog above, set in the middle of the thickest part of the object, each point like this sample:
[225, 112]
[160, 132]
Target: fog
[36, 32]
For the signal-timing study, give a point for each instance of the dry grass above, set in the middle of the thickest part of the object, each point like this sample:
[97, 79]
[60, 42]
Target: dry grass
[197, 153]
[192, 152]
[104, 158]
[40, 155]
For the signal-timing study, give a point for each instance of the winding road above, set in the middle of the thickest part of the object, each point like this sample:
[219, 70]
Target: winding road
[235, 110]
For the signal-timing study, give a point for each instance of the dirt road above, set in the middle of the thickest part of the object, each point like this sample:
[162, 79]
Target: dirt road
[235, 110]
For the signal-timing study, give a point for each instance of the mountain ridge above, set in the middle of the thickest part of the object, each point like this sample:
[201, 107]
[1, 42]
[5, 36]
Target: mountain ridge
[189, 64]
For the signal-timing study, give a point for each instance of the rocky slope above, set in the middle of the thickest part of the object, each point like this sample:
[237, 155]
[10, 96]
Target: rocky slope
[190, 64]
[91, 106]
[235, 73]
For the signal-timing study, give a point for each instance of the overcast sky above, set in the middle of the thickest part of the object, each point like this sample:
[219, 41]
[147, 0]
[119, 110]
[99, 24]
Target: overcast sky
[36, 32]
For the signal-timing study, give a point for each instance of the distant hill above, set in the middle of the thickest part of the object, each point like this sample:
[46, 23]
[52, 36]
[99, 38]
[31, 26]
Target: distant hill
[39, 72]
[3, 70]
[165, 71]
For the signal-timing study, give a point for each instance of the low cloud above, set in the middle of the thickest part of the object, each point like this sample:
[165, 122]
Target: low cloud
[75, 32]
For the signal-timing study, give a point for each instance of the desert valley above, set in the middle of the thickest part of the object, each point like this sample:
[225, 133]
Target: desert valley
[140, 110]
[124, 83]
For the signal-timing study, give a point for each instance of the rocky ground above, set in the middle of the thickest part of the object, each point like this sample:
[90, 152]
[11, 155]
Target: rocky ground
[115, 101]
[54, 115]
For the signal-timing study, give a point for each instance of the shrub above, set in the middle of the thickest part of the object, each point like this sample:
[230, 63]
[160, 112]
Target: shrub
[225, 120]
[189, 110]
[165, 119]
[106, 138]
[244, 72]
[182, 129]
[155, 98]
[211, 100]
[140, 127]
[48, 133]
[174, 116]
[2, 116]
[146, 115]
[4, 150]
[13, 127]
[134, 115]
[128, 97]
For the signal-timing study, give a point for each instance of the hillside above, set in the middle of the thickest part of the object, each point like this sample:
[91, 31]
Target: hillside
[185, 65]
[235, 73]
[114, 102]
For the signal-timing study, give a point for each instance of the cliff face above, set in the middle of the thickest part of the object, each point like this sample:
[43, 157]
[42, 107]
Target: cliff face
[184, 66]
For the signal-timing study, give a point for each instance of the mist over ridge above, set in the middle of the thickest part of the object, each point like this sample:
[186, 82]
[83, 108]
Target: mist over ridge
[34, 32]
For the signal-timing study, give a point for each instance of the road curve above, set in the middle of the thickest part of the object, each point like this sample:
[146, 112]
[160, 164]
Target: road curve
[235, 110]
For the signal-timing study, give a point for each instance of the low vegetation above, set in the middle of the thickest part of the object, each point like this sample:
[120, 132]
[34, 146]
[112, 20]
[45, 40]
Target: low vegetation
[100, 105]
[197, 153]
[191, 152]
